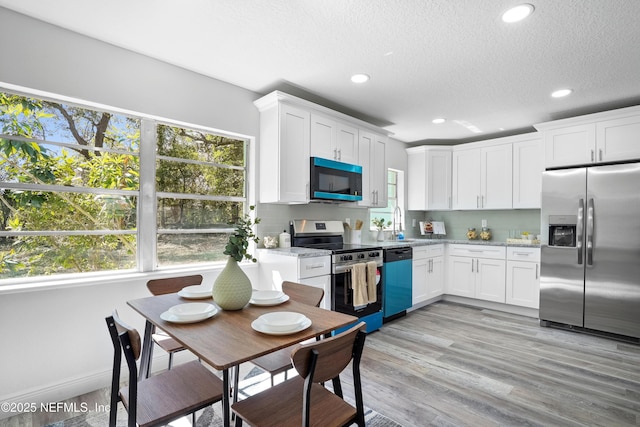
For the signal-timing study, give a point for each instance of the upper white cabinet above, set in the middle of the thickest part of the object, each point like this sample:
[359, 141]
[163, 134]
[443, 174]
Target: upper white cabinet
[611, 136]
[284, 153]
[372, 158]
[429, 178]
[482, 177]
[292, 130]
[528, 166]
[333, 139]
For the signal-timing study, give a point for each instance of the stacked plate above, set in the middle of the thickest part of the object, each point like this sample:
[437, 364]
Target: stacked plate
[268, 297]
[189, 313]
[281, 323]
[196, 292]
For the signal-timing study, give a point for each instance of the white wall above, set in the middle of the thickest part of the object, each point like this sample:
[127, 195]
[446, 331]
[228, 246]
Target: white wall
[55, 341]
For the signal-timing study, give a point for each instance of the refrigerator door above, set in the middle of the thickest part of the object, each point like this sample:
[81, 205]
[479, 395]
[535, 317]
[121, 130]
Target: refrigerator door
[562, 259]
[612, 285]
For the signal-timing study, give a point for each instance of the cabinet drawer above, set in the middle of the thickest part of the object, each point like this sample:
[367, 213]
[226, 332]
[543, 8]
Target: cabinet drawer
[478, 251]
[420, 252]
[435, 250]
[314, 266]
[523, 254]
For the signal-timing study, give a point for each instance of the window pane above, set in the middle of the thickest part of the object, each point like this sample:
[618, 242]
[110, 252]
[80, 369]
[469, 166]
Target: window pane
[48, 211]
[176, 249]
[28, 256]
[179, 177]
[198, 145]
[187, 214]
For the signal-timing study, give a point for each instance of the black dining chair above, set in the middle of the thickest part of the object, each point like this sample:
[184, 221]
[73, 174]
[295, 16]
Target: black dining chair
[302, 400]
[161, 398]
[169, 285]
[280, 361]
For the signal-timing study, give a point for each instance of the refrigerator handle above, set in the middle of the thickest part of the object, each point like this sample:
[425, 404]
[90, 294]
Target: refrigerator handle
[590, 213]
[579, 230]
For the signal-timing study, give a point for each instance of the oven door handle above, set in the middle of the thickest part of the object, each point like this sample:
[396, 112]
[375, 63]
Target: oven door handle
[347, 286]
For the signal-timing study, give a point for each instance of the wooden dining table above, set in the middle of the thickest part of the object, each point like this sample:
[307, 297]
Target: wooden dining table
[227, 339]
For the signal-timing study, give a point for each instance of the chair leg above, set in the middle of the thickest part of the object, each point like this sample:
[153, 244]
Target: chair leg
[272, 380]
[193, 418]
[238, 421]
[170, 360]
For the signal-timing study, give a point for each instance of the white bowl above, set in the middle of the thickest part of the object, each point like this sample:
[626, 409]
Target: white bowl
[266, 295]
[281, 321]
[192, 310]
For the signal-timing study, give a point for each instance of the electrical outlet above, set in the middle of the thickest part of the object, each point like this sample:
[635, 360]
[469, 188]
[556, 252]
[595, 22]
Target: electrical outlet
[413, 222]
[348, 221]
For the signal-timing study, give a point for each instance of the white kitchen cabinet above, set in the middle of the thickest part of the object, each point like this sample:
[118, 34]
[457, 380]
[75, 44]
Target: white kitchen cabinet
[372, 158]
[333, 139]
[609, 136]
[482, 177]
[429, 178]
[528, 165]
[523, 277]
[419, 275]
[313, 271]
[284, 152]
[568, 146]
[428, 272]
[618, 139]
[477, 271]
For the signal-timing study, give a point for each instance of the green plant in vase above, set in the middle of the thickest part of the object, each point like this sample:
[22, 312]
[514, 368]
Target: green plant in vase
[238, 243]
[232, 288]
[380, 224]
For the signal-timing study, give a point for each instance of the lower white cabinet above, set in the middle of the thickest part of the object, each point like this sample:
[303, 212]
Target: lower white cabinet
[523, 277]
[428, 272]
[477, 272]
[313, 271]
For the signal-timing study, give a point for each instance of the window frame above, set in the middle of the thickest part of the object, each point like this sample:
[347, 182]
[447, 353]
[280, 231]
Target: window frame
[147, 196]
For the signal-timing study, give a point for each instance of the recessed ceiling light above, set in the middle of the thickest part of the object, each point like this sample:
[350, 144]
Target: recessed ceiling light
[360, 78]
[517, 13]
[561, 93]
[438, 121]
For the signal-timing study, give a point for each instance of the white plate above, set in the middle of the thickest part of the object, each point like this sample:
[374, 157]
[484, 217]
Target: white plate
[170, 317]
[282, 321]
[192, 310]
[195, 292]
[259, 326]
[266, 295]
[283, 298]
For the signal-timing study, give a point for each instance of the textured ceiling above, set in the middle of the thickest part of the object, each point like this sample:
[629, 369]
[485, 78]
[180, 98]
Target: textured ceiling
[427, 59]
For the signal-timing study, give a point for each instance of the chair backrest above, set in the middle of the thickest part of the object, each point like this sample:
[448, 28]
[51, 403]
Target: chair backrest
[326, 359]
[304, 294]
[171, 285]
[125, 340]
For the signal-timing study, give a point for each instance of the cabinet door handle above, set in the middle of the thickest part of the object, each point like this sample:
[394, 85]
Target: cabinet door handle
[431, 265]
[340, 154]
[335, 154]
[477, 201]
[537, 272]
[482, 201]
[472, 265]
[522, 253]
[592, 155]
[600, 154]
[477, 266]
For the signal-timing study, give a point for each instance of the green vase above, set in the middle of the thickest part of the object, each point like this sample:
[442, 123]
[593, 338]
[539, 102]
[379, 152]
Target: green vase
[232, 288]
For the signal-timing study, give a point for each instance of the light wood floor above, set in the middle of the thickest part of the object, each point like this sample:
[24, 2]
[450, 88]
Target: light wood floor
[452, 365]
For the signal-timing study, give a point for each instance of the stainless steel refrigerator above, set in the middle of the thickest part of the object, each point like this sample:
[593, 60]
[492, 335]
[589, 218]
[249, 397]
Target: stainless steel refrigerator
[590, 274]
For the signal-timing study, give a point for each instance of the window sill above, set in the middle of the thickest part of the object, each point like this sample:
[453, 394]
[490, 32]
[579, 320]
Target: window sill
[93, 279]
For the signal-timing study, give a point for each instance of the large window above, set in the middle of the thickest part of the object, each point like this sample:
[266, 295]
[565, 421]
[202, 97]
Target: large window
[76, 188]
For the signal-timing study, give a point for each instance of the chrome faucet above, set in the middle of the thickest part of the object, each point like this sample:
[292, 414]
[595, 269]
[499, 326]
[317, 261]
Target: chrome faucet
[394, 232]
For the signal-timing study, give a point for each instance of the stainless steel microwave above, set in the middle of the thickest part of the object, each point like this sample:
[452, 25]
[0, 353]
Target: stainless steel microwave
[332, 180]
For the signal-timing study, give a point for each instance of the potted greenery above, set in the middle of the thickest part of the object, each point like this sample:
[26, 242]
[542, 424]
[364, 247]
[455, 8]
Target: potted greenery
[232, 288]
[380, 224]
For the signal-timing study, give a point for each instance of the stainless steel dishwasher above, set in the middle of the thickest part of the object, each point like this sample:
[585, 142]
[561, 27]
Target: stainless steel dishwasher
[397, 279]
